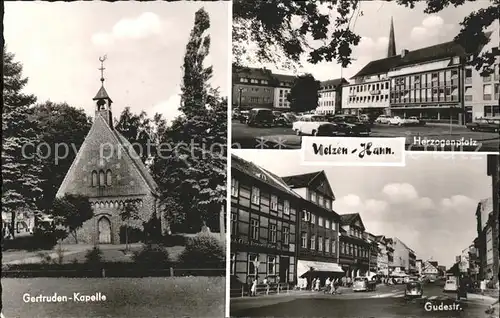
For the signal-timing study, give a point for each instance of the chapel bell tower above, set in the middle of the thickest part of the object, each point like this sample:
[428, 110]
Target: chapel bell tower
[103, 102]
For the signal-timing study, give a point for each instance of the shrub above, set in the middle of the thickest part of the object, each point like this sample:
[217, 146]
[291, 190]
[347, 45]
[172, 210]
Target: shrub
[93, 257]
[203, 251]
[152, 256]
[60, 254]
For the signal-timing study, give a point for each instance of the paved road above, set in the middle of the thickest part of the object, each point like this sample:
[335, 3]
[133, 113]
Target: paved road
[125, 297]
[386, 302]
[279, 137]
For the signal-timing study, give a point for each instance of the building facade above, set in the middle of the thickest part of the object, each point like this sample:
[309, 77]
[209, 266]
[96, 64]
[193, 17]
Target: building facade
[401, 255]
[412, 261]
[382, 257]
[481, 93]
[330, 96]
[494, 172]
[430, 269]
[283, 84]
[419, 266]
[110, 178]
[252, 88]
[354, 248]
[263, 225]
[318, 227]
[433, 82]
[374, 251]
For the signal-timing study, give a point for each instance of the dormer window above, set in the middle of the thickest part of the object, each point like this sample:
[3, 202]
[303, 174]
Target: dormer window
[455, 60]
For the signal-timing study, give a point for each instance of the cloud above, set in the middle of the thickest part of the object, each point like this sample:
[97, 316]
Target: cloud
[430, 30]
[400, 192]
[144, 25]
[169, 108]
[352, 203]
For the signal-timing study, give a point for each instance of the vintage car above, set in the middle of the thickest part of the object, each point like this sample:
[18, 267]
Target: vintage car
[399, 121]
[308, 124]
[413, 289]
[260, 117]
[450, 286]
[383, 119]
[363, 284]
[413, 120]
[485, 124]
[350, 125]
[285, 120]
[243, 117]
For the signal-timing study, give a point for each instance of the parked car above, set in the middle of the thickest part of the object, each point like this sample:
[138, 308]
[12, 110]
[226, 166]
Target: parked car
[383, 119]
[396, 120]
[244, 116]
[413, 120]
[450, 286]
[284, 120]
[413, 289]
[260, 117]
[485, 124]
[235, 113]
[308, 124]
[363, 284]
[350, 125]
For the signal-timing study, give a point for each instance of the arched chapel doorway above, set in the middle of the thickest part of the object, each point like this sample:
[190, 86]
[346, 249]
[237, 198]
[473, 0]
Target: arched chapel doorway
[104, 230]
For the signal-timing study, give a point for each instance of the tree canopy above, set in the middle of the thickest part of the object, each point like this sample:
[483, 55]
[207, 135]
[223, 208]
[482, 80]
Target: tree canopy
[190, 169]
[269, 27]
[21, 166]
[304, 94]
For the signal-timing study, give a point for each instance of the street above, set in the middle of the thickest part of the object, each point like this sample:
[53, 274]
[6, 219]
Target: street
[385, 302]
[125, 297]
[284, 138]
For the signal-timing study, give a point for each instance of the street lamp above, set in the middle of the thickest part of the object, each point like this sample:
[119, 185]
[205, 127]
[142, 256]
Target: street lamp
[241, 90]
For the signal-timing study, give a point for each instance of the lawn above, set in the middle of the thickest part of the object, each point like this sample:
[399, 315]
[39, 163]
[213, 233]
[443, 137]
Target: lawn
[125, 297]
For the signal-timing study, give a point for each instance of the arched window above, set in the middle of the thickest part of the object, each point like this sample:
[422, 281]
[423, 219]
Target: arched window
[94, 178]
[102, 180]
[108, 177]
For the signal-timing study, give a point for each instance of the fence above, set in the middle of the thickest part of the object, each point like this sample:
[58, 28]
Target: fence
[112, 272]
[262, 289]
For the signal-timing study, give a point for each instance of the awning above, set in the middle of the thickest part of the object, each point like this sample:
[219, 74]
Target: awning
[398, 274]
[304, 267]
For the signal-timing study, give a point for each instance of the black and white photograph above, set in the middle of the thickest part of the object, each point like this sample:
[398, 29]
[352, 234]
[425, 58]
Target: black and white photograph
[114, 159]
[424, 70]
[351, 242]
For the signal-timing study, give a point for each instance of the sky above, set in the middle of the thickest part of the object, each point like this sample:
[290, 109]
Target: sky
[412, 27]
[59, 45]
[430, 204]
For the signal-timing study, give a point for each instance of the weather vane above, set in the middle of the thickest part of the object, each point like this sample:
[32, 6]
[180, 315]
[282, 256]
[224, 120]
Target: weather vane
[102, 59]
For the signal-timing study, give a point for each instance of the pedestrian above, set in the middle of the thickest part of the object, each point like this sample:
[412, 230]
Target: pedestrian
[318, 284]
[254, 287]
[482, 286]
[328, 284]
[313, 284]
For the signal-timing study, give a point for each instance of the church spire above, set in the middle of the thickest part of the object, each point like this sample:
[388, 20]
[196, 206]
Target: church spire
[391, 50]
[103, 102]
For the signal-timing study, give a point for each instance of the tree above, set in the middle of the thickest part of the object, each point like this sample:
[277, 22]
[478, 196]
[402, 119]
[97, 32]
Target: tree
[71, 211]
[21, 166]
[268, 25]
[63, 129]
[129, 212]
[304, 93]
[138, 129]
[192, 173]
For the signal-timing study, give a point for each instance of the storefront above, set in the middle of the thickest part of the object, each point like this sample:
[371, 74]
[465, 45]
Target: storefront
[310, 270]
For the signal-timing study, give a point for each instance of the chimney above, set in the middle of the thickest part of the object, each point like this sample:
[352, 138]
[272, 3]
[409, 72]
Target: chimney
[404, 52]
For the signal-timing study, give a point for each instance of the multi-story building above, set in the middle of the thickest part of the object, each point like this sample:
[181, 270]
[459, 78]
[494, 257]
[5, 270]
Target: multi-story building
[390, 254]
[318, 227]
[252, 87]
[263, 225]
[426, 82]
[374, 251]
[430, 269]
[494, 171]
[485, 224]
[330, 96]
[481, 93]
[419, 266]
[401, 255]
[354, 248]
[412, 261]
[382, 257]
[283, 85]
